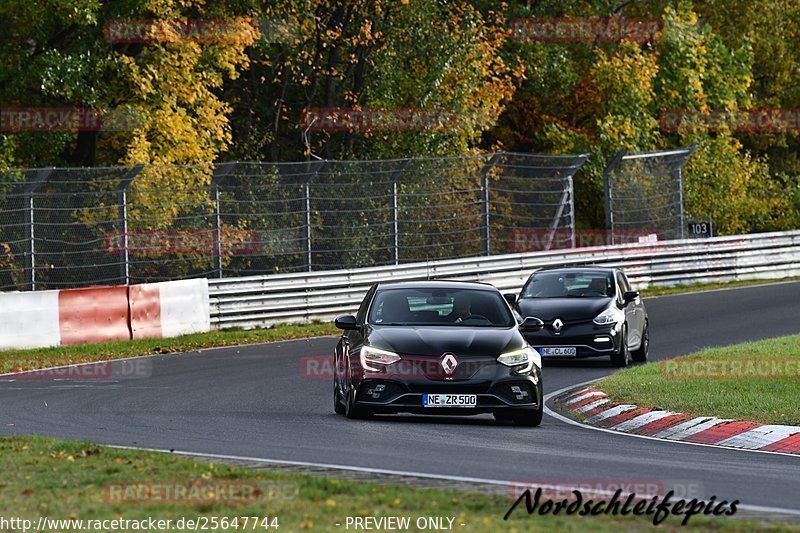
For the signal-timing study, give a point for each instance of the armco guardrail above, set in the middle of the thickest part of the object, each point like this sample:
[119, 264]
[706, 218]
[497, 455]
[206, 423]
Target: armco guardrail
[264, 300]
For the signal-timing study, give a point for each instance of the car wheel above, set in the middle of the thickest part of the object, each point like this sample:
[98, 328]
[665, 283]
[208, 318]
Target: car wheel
[338, 405]
[351, 410]
[529, 417]
[503, 416]
[640, 354]
[622, 358]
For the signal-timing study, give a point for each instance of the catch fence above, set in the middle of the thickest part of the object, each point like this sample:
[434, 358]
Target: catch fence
[69, 227]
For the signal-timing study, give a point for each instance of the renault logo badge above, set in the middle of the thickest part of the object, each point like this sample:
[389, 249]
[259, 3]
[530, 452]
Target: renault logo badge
[557, 325]
[449, 363]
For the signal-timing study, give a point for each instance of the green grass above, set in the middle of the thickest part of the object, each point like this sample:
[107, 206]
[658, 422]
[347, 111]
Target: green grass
[15, 360]
[691, 388]
[695, 287]
[65, 479]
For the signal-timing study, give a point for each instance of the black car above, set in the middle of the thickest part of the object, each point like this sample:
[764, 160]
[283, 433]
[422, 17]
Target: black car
[588, 312]
[437, 347]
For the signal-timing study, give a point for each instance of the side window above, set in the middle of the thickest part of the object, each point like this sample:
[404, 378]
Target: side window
[361, 317]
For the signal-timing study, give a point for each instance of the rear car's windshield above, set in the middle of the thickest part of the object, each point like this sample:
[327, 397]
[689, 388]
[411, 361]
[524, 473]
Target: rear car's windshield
[569, 285]
[440, 307]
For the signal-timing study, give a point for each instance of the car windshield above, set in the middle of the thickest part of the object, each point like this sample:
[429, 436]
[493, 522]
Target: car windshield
[440, 307]
[569, 285]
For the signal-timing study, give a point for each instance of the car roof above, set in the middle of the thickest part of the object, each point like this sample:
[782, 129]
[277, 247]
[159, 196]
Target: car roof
[437, 284]
[589, 268]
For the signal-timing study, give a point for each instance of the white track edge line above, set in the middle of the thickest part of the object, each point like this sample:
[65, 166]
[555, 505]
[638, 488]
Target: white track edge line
[572, 422]
[368, 470]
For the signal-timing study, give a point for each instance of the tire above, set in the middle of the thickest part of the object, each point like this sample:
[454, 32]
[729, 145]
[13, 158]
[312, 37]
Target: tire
[503, 416]
[338, 406]
[640, 354]
[621, 359]
[351, 409]
[529, 418]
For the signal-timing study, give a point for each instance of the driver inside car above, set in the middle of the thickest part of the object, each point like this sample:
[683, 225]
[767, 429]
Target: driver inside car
[598, 285]
[461, 309]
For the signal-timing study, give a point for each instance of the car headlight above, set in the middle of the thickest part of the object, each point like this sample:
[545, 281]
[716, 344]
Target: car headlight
[609, 317]
[526, 356]
[371, 356]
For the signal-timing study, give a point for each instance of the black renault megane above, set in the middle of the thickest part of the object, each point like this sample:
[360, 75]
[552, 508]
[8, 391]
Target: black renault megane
[588, 312]
[437, 347]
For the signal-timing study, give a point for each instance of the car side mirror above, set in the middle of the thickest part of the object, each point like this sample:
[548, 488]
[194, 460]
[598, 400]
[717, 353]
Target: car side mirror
[346, 322]
[531, 324]
[511, 298]
[630, 296]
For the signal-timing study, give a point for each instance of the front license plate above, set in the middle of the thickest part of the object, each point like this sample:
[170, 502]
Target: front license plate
[449, 400]
[563, 351]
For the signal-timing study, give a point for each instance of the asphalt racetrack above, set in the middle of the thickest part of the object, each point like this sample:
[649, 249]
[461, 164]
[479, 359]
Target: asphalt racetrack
[255, 401]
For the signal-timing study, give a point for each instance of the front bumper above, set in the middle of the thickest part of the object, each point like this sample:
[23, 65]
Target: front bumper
[509, 392]
[589, 340]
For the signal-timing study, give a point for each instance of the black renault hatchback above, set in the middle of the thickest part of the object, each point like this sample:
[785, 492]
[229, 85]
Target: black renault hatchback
[588, 312]
[437, 347]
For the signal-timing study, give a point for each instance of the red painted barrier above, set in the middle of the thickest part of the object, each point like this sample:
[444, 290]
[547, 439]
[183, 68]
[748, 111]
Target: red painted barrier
[145, 309]
[96, 314]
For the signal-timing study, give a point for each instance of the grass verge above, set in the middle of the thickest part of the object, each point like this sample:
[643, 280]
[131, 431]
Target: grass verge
[17, 360]
[756, 381]
[65, 480]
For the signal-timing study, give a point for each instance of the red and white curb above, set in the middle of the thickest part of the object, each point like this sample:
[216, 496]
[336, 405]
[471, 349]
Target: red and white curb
[598, 410]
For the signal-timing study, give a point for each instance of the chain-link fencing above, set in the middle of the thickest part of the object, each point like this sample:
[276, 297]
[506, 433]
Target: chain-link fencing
[644, 193]
[67, 227]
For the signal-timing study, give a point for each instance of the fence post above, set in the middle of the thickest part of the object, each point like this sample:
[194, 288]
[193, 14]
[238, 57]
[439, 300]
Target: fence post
[571, 188]
[567, 199]
[122, 213]
[609, 191]
[221, 171]
[394, 207]
[485, 202]
[679, 185]
[30, 253]
[313, 169]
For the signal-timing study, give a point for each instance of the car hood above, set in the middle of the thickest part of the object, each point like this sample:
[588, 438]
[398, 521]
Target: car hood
[567, 309]
[436, 340]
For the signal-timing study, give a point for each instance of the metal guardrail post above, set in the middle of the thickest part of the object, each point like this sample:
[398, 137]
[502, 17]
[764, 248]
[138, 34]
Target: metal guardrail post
[30, 254]
[122, 213]
[485, 234]
[394, 206]
[609, 196]
[221, 171]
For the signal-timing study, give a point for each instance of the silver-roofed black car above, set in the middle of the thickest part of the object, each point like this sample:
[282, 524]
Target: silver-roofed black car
[588, 312]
